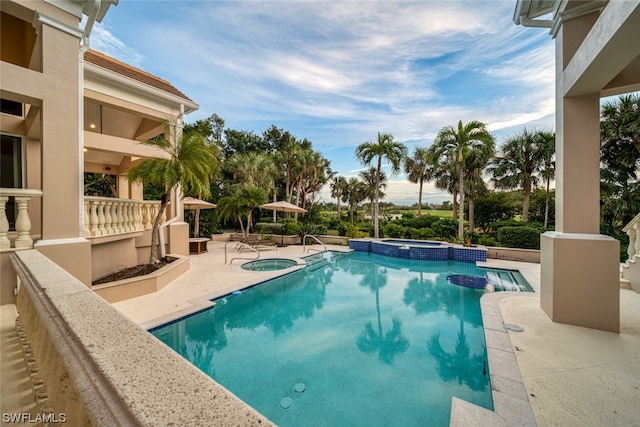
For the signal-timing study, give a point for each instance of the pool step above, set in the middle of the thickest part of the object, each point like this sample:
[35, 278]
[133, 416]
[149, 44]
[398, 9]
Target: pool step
[503, 280]
[314, 262]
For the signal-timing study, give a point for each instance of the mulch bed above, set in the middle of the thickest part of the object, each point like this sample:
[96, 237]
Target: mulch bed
[128, 273]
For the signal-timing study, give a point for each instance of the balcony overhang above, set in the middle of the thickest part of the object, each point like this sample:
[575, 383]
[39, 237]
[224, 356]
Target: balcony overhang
[111, 150]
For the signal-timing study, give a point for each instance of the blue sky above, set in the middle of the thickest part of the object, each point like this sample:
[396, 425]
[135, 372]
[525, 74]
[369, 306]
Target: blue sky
[338, 72]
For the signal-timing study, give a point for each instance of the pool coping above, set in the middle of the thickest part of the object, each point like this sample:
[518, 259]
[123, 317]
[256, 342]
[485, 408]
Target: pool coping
[511, 405]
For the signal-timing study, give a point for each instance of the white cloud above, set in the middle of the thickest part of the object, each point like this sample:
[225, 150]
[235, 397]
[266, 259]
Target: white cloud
[336, 72]
[104, 41]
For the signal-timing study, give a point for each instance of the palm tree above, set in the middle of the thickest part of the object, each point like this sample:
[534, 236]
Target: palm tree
[191, 165]
[375, 340]
[316, 173]
[420, 169]
[458, 143]
[240, 203]
[620, 161]
[385, 147]
[547, 145]
[446, 177]
[254, 169]
[338, 184]
[474, 183]
[518, 165]
[369, 179]
[353, 194]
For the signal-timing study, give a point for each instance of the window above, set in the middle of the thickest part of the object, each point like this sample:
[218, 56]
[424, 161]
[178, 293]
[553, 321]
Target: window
[10, 107]
[11, 162]
[11, 171]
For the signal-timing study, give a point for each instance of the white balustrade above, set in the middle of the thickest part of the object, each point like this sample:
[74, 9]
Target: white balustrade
[22, 197]
[106, 216]
[633, 231]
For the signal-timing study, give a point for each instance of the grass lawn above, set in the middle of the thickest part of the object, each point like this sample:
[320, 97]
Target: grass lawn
[440, 214]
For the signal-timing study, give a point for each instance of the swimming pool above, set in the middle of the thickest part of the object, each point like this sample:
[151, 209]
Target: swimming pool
[357, 339]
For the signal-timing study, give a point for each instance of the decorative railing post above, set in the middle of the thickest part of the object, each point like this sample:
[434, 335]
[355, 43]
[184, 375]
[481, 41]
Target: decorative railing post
[108, 219]
[101, 219]
[23, 238]
[93, 217]
[146, 222]
[633, 231]
[4, 223]
[23, 223]
[86, 231]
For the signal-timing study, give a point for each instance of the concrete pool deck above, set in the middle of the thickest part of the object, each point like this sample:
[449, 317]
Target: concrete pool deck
[570, 375]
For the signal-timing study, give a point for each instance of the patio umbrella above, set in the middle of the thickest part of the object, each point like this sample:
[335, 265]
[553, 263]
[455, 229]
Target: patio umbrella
[283, 206]
[196, 204]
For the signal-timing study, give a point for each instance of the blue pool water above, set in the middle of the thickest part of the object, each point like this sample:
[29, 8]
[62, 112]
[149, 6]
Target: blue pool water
[355, 339]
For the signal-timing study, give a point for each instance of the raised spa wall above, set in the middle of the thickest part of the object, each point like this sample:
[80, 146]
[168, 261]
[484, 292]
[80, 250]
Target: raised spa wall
[438, 252]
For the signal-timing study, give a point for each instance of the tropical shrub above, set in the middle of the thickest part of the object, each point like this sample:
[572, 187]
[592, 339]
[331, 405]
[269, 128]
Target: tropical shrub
[492, 207]
[496, 225]
[424, 221]
[353, 232]
[290, 227]
[472, 236]
[537, 207]
[422, 233]
[393, 229]
[342, 228]
[445, 228]
[519, 237]
[486, 240]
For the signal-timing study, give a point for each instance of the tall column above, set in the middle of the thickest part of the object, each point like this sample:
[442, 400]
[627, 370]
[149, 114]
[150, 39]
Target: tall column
[579, 267]
[61, 148]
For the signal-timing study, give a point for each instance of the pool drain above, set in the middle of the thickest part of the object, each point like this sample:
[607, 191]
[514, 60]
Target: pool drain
[512, 327]
[299, 388]
[286, 402]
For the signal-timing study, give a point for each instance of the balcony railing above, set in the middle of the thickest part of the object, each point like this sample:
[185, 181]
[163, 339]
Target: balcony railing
[23, 238]
[633, 231]
[106, 216]
[107, 371]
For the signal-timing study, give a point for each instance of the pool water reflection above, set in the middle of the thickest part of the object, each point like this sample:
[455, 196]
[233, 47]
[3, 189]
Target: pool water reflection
[372, 340]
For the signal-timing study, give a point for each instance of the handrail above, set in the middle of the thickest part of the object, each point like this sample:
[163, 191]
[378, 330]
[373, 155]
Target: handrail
[21, 197]
[241, 245]
[304, 243]
[107, 216]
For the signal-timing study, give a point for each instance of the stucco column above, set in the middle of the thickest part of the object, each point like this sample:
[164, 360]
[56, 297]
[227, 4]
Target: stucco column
[579, 267]
[61, 151]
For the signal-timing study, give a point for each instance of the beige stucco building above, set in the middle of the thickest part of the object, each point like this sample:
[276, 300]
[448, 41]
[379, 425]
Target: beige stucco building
[67, 111]
[597, 55]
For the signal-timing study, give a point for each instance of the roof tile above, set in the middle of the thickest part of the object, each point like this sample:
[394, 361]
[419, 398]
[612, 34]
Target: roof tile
[104, 61]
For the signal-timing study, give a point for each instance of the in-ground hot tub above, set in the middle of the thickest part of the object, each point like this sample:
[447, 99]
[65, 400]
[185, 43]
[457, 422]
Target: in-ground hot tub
[269, 264]
[420, 250]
